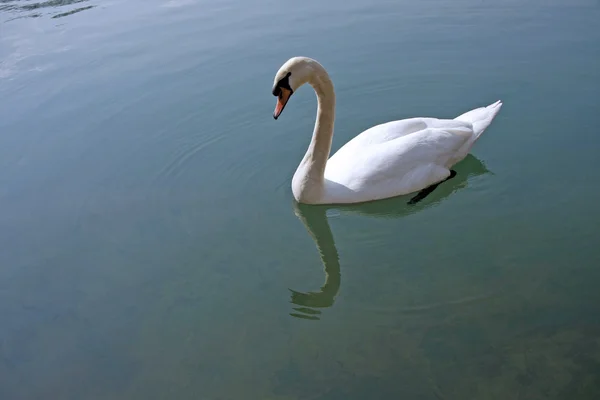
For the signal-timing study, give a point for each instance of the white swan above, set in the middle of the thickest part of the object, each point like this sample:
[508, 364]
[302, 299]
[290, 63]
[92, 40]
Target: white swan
[387, 160]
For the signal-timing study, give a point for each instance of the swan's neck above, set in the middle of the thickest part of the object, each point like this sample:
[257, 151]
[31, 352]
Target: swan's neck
[308, 183]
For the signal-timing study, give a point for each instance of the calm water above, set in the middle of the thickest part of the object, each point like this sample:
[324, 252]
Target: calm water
[151, 248]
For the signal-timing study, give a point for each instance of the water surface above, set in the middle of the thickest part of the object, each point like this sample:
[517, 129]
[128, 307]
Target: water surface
[151, 248]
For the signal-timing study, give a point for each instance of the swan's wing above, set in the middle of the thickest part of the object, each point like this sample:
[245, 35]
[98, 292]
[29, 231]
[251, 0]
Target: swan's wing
[399, 166]
[389, 131]
[392, 130]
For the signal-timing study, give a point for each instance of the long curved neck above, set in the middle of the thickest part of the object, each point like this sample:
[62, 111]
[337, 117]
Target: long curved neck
[308, 181]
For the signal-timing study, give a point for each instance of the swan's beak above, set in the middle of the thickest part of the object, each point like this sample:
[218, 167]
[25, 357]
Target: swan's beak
[282, 99]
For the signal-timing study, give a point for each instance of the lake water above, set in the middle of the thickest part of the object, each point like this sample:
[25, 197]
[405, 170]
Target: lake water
[150, 247]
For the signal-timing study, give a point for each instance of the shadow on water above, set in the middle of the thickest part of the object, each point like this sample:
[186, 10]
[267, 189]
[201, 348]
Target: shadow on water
[57, 8]
[315, 221]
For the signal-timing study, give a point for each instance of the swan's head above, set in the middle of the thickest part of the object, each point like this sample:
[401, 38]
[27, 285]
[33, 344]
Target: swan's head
[294, 73]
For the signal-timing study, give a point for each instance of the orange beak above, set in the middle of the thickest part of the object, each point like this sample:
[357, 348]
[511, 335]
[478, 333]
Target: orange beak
[282, 99]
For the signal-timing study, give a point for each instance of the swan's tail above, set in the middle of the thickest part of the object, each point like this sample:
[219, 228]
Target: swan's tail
[481, 117]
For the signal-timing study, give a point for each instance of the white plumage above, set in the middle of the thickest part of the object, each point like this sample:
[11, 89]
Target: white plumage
[387, 160]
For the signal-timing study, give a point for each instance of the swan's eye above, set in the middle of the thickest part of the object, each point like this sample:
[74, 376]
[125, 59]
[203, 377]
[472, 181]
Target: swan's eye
[283, 83]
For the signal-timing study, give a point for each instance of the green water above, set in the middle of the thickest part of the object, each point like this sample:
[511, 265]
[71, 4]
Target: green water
[150, 247]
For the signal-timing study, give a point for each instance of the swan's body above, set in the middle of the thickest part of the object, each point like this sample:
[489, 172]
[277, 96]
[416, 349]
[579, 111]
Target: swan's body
[387, 160]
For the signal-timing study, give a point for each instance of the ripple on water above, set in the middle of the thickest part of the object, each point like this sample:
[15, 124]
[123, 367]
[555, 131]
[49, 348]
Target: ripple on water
[178, 163]
[199, 156]
[52, 8]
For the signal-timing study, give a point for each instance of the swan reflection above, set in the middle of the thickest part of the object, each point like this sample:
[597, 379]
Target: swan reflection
[315, 221]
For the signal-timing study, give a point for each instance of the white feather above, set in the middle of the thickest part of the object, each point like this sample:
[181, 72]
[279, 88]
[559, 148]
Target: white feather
[387, 160]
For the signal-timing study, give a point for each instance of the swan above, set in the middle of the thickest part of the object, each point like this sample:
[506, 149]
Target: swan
[386, 160]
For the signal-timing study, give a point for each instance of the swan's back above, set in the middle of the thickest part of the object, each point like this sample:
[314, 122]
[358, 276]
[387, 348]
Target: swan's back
[389, 131]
